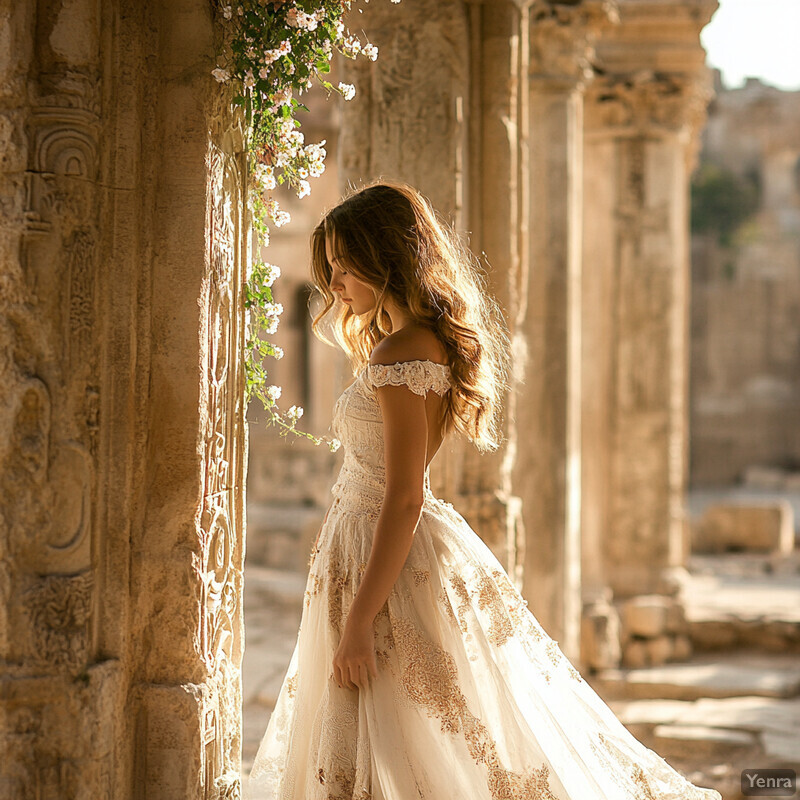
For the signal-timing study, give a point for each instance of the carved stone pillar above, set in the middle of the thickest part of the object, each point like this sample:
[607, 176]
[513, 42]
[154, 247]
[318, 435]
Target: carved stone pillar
[559, 37]
[643, 118]
[123, 449]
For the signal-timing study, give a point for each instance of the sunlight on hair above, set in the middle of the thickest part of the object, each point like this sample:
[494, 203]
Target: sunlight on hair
[392, 239]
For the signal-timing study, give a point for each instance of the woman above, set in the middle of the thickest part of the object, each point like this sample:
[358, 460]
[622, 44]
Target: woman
[419, 672]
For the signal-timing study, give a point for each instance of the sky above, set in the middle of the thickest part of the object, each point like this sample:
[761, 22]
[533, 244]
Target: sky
[755, 38]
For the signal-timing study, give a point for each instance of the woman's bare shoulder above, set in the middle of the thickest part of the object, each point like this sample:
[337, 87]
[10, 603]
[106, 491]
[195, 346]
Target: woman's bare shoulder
[410, 343]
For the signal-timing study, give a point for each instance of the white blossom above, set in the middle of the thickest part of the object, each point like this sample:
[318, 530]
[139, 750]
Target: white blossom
[272, 272]
[273, 392]
[370, 51]
[221, 74]
[227, 12]
[334, 445]
[304, 189]
[351, 46]
[295, 412]
[276, 215]
[348, 90]
[277, 352]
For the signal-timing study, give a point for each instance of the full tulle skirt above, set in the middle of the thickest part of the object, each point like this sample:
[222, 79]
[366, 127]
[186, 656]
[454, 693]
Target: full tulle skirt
[473, 700]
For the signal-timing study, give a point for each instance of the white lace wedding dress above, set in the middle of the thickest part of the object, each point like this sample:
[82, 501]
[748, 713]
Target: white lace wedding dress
[473, 700]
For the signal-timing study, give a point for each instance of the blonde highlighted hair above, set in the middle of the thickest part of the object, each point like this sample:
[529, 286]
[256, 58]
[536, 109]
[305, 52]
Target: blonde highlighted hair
[390, 238]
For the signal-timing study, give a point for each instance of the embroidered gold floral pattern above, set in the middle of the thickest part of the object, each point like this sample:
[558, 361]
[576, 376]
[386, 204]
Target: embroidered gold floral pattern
[559, 659]
[420, 576]
[617, 763]
[430, 678]
[343, 781]
[631, 776]
[574, 673]
[460, 587]
[517, 607]
[336, 584]
[313, 587]
[490, 600]
[291, 685]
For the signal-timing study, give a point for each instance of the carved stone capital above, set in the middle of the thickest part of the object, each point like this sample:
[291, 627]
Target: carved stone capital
[562, 38]
[646, 101]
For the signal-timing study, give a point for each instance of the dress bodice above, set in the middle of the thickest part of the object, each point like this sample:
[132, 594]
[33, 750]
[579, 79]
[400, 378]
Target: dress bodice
[358, 424]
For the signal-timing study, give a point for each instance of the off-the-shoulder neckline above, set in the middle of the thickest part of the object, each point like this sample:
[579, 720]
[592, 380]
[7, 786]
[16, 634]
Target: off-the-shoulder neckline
[410, 361]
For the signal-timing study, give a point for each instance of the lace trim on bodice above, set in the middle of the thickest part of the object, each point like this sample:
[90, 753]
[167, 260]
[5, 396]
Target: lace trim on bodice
[361, 482]
[420, 375]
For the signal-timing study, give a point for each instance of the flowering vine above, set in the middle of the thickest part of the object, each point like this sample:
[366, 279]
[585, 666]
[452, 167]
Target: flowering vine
[272, 52]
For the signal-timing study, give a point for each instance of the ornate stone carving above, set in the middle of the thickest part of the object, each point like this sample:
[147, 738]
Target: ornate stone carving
[59, 610]
[49, 391]
[219, 562]
[562, 36]
[647, 100]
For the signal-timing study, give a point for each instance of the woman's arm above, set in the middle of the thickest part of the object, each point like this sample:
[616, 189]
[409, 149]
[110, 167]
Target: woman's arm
[405, 429]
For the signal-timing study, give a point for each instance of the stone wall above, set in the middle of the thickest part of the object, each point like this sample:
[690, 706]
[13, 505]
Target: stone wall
[124, 448]
[746, 377]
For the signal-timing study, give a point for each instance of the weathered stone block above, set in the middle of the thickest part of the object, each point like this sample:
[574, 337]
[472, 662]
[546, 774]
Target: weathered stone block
[600, 636]
[635, 655]
[645, 615]
[757, 527]
[660, 649]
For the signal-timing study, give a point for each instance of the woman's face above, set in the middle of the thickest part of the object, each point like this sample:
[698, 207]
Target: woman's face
[357, 294]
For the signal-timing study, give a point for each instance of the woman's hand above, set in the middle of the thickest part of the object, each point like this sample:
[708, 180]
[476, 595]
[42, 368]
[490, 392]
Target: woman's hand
[354, 659]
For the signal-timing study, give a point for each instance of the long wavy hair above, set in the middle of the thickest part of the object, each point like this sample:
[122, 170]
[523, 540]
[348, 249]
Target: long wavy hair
[391, 238]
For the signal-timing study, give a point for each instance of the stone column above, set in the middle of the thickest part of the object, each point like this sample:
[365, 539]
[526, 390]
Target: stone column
[547, 469]
[643, 119]
[496, 220]
[123, 449]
